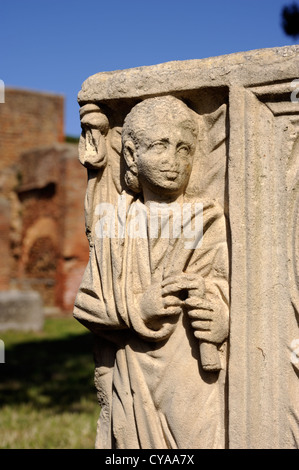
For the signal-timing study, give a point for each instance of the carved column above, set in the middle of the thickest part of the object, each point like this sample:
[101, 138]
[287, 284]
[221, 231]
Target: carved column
[263, 386]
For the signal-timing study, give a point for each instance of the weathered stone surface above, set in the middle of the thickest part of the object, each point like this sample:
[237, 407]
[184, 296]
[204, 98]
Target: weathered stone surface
[158, 289]
[244, 162]
[242, 68]
[21, 311]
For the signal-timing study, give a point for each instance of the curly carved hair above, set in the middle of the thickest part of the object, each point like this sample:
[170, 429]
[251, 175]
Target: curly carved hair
[144, 114]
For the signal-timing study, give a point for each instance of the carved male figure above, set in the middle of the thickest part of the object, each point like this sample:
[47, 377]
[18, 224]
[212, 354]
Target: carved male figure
[152, 300]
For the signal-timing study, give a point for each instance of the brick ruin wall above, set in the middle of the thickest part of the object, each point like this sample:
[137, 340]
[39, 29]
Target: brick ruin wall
[29, 119]
[42, 187]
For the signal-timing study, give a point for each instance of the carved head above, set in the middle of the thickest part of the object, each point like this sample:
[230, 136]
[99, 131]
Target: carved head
[92, 144]
[159, 139]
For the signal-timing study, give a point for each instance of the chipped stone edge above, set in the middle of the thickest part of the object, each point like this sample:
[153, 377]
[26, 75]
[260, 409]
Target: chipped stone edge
[246, 68]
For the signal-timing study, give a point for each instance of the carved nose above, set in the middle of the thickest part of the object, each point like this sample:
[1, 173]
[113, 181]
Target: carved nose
[173, 162]
[169, 159]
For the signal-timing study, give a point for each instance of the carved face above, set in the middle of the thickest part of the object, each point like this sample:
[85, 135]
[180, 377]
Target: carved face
[92, 144]
[164, 158]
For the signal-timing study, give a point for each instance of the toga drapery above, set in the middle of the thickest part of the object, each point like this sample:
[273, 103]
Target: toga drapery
[151, 386]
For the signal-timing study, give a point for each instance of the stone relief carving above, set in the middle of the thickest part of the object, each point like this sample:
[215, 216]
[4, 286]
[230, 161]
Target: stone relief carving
[292, 184]
[263, 178]
[244, 164]
[99, 152]
[156, 290]
[92, 145]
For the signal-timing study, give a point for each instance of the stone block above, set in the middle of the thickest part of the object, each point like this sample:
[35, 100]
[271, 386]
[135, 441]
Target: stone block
[21, 311]
[150, 374]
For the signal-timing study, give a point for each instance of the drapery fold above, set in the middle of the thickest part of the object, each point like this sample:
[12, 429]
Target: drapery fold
[154, 383]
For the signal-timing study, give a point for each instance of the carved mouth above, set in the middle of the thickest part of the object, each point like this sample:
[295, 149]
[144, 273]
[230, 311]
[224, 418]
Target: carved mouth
[171, 175]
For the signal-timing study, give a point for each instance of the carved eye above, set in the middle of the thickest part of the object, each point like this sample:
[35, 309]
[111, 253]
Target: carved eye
[159, 146]
[183, 150]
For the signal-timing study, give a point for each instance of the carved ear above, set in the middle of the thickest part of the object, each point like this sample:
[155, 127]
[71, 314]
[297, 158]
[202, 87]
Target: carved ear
[130, 155]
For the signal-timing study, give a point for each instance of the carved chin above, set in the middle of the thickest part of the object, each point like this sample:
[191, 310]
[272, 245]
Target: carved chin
[172, 183]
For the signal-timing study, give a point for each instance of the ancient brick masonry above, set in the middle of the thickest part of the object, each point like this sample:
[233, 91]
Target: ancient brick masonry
[54, 249]
[4, 244]
[28, 119]
[41, 213]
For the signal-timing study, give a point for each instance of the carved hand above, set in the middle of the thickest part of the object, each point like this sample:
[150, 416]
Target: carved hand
[156, 308]
[208, 319]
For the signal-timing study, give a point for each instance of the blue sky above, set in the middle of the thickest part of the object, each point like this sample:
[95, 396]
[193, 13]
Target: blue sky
[54, 45]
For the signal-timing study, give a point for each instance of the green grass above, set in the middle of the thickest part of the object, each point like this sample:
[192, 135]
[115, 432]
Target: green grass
[47, 395]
